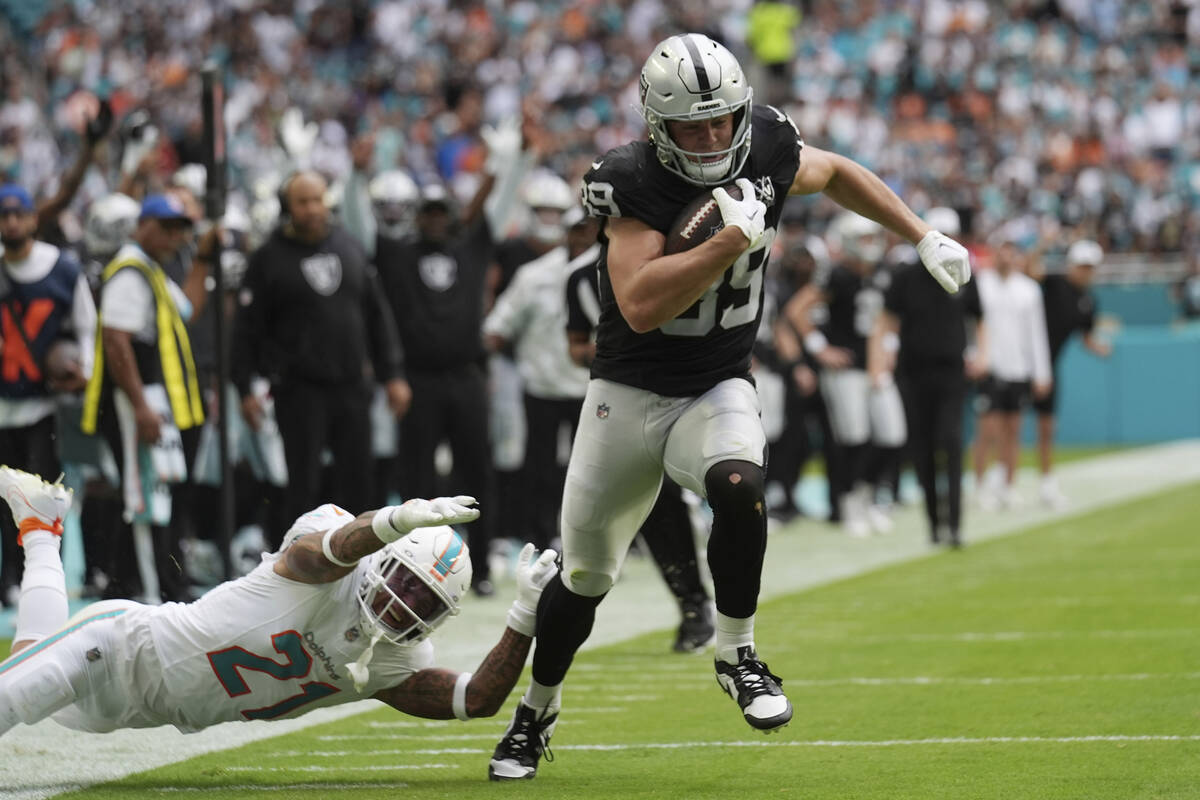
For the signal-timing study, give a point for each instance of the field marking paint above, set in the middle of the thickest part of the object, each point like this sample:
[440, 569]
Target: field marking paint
[947, 740]
[341, 768]
[282, 787]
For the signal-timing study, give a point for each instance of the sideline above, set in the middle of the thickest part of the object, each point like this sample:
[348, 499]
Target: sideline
[45, 760]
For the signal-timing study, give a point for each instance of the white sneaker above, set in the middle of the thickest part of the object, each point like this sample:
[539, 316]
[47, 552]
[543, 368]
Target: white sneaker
[854, 515]
[879, 519]
[757, 691]
[1050, 495]
[35, 504]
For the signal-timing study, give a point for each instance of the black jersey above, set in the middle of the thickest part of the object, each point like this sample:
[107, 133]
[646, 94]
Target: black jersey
[712, 340]
[853, 303]
[583, 299]
[436, 293]
[932, 321]
[1068, 309]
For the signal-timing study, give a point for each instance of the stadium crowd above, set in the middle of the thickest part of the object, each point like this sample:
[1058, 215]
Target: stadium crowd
[1028, 124]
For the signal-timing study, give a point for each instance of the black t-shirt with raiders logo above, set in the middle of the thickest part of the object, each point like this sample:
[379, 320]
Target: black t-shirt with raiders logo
[712, 340]
[314, 313]
[436, 293]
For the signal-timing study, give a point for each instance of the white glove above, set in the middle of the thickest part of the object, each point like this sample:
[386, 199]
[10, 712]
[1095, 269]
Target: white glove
[392, 522]
[136, 150]
[946, 260]
[503, 144]
[297, 135]
[749, 213]
[532, 577]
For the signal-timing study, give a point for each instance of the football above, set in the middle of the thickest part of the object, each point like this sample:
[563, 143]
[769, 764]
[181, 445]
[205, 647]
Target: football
[62, 361]
[698, 222]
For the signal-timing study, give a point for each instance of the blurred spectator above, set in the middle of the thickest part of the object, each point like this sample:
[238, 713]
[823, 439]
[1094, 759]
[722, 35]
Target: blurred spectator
[144, 391]
[47, 330]
[1187, 291]
[1019, 370]
[1070, 306]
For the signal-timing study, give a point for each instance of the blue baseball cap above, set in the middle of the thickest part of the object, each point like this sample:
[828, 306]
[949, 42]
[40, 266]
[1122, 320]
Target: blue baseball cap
[163, 206]
[13, 196]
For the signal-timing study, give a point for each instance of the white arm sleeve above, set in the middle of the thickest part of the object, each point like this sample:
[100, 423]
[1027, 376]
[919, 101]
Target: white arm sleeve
[127, 302]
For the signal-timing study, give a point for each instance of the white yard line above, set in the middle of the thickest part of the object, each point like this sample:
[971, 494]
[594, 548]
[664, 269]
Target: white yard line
[45, 759]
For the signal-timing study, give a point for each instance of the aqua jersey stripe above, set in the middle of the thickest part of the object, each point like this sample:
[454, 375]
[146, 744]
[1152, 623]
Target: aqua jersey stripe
[445, 562]
[28, 652]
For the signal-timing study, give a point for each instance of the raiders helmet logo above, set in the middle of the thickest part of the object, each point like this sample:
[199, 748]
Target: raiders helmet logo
[602, 411]
[323, 272]
[438, 271]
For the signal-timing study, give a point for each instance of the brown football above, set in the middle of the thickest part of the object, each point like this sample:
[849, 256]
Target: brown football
[62, 360]
[698, 222]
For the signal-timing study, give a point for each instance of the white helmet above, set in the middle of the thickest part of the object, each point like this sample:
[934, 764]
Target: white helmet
[193, 177]
[1085, 251]
[110, 223]
[414, 584]
[944, 219]
[548, 198]
[858, 237]
[394, 199]
[691, 77]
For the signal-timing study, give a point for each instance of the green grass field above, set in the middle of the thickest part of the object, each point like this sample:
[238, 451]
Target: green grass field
[1063, 662]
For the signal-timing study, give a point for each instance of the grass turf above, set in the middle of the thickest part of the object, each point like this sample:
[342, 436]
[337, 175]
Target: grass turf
[915, 681]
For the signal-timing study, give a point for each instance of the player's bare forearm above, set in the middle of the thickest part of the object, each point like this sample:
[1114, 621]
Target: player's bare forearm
[652, 288]
[430, 692]
[305, 560]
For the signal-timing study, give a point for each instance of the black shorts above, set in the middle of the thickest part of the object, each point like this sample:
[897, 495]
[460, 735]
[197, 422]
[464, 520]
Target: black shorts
[1046, 406]
[1000, 395]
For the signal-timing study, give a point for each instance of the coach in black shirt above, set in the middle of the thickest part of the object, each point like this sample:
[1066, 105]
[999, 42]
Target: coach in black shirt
[312, 321]
[932, 371]
[435, 283]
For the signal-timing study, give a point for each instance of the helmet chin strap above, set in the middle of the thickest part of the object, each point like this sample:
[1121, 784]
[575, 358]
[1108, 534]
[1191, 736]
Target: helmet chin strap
[358, 668]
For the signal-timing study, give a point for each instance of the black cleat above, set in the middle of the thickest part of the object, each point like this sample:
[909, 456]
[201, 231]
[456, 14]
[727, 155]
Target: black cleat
[516, 756]
[696, 630]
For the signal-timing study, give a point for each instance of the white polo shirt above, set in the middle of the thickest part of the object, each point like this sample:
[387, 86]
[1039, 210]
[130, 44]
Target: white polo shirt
[1015, 321]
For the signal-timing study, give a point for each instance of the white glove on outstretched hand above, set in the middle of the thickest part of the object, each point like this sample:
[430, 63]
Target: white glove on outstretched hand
[532, 578]
[297, 136]
[945, 259]
[503, 144]
[392, 522]
[749, 213]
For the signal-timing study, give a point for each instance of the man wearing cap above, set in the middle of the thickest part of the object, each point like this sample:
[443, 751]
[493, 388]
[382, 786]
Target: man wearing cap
[144, 390]
[1070, 307]
[44, 301]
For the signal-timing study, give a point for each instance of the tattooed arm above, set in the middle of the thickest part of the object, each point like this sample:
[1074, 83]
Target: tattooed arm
[329, 555]
[430, 692]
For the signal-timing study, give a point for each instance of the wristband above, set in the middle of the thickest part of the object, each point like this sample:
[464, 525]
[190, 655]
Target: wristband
[328, 550]
[815, 342]
[381, 524]
[459, 703]
[522, 620]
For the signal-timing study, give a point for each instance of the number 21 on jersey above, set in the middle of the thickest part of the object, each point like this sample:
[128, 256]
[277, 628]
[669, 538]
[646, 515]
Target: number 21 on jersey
[228, 663]
[745, 273]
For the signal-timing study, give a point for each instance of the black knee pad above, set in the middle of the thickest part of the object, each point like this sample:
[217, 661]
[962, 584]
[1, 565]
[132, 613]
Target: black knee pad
[735, 484]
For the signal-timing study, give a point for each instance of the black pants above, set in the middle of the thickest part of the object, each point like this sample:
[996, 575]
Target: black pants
[791, 451]
[933, 403]
[119, 558]
[311, 418]
[545, 473]
[668, 534]
[451, 406]
[31, 448]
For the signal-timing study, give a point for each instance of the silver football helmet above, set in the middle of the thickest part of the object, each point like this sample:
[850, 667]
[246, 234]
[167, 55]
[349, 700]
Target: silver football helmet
[394, 198]
[691, 77]
[858, 237]
[548, 198]
[110, 223]
[415, 584]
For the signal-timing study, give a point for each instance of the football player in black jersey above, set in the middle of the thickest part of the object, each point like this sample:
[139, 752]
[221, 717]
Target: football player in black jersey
[866, 415]
[670, 387]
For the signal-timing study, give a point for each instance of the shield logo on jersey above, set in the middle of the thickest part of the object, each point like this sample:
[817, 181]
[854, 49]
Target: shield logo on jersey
[323, 272]
[352, 634]
[438, 271]
[602, 411]
[765, 190]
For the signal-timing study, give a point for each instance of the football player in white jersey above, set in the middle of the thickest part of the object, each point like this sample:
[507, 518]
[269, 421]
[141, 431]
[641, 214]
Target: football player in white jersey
[670, 389]
[340, 613]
